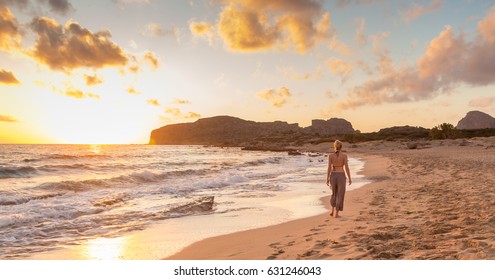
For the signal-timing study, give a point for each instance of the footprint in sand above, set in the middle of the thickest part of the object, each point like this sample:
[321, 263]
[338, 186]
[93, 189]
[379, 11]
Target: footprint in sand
[324, 256]
[320, 244]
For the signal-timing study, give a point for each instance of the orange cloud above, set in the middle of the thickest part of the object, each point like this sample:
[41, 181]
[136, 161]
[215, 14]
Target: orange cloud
[276, 98]
[291, 73]
[443, 54]
[192, 115]
[152, 59]
[200, 28]
[10, 119]
[486, 27]
[132, 90]
[482, 102]
[181, 101]
[75, 93]
[78, 94]
[420, 10]
[257, 25]
[92, 95]
[154, 30]
[93, 80]
[339, 67]
[72, 46]
[176, 112]
[10, 33]
[448, 61]
[153, 102]
[8, 78]
[360, 37]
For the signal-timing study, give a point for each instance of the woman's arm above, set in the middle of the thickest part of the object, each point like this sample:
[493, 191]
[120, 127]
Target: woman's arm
[347, 170]
[329, 170]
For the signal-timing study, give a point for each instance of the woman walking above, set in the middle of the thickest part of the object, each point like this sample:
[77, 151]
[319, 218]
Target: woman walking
[336, 179]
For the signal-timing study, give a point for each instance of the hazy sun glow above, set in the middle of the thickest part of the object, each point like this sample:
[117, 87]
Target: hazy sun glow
[105, 248]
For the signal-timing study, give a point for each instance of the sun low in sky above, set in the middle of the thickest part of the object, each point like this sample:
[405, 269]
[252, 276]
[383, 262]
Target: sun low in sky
[110, 71]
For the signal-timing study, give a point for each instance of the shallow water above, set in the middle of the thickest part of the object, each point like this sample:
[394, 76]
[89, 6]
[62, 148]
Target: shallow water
[62, 196]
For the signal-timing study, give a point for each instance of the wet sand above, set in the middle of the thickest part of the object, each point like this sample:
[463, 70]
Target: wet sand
[436, 201]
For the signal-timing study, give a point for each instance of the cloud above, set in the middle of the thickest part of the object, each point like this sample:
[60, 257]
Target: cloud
[10, 31]
[181, 101]
[153, 102]
[381, 51]
[330, 94]
[78, 94]
[72, 46]
[155, 30]
[132, 90]
[339, 67]
[176, 112]
[360, 38]
[401, 85]
[202, 29]
[60, 6]
[151, 58]
[448, 61]
[443, 55]
[292, 74]
[21, 4]
[10, 119]
[93, 80]
[345, 3]
[257, 25]
[276, 98]
[482, 102]
[192, 115]
[420, 10]
[92, 95]
[8, 78]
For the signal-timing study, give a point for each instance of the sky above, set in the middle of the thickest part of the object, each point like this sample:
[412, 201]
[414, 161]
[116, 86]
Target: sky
[110, 71]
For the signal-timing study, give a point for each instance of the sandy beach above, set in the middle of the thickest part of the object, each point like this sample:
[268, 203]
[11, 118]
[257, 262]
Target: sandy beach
[435, 201]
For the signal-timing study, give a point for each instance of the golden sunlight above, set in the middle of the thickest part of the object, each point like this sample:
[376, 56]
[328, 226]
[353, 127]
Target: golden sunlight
[105, 248]
[114, 119]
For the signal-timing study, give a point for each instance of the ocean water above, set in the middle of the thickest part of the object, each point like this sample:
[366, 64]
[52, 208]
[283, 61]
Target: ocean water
[62, 196]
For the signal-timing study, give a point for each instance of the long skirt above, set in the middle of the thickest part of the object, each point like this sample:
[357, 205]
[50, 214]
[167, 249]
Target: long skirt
[337, 182]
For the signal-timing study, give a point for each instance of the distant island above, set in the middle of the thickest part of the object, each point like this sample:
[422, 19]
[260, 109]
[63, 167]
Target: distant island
[280, 135]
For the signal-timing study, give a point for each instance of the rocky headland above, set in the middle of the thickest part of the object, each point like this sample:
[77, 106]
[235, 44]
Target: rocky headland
[283, 136]
[232, 131]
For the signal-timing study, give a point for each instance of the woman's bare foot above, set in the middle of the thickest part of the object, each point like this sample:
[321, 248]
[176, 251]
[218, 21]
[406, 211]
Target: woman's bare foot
[337, 214]
[331, 213]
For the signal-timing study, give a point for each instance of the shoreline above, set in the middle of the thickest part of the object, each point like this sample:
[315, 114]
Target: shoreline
[300, 199]
[253, 243]
[424, 203]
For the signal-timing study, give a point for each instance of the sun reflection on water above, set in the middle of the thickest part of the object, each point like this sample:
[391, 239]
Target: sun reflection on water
[95, 148]
[105, 248]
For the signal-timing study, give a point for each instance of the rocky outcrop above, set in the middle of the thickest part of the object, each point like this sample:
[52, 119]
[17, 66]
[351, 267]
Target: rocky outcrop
[232, 131]
[332, 126]
[476, 120]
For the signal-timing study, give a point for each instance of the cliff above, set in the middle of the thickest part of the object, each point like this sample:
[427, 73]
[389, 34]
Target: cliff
[231, 131]
[476, 120]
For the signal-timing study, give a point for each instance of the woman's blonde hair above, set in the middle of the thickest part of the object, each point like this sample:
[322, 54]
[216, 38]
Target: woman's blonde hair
[337, 146]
